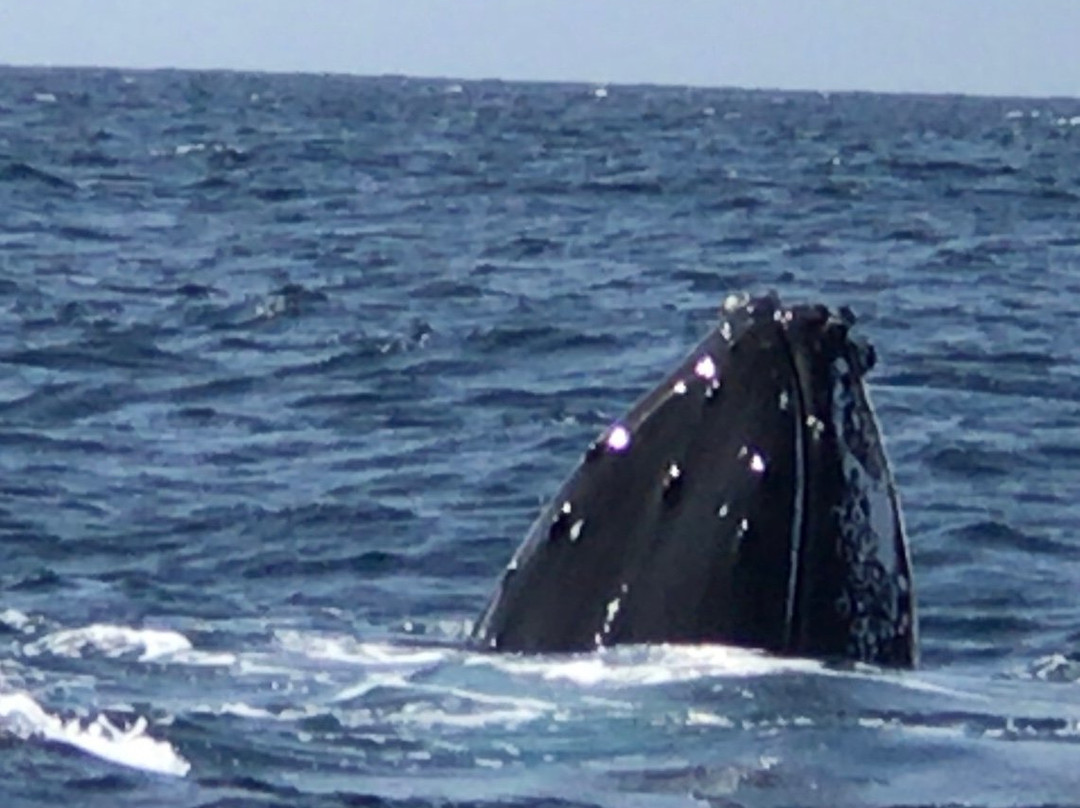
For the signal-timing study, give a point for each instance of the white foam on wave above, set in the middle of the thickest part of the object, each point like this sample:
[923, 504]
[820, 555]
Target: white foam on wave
[16, 620]
[394, 667]
[144, 644]
[651, 665]
[188, 148]
[456, 707]
[111, 641]
[24, 718]
[1053, 668]
[391, 665]
[368, 684]
[657, 665]
[241, 709]
[339, 648]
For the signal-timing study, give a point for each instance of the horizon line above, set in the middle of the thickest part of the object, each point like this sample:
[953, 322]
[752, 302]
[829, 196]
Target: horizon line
[593, 83]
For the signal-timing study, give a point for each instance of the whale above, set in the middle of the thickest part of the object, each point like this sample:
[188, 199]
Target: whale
[746, 500]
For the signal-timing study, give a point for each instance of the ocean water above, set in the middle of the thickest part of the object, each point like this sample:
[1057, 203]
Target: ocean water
[289, 363]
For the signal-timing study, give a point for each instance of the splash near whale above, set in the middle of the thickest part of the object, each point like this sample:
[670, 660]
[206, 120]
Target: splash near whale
[745, 500]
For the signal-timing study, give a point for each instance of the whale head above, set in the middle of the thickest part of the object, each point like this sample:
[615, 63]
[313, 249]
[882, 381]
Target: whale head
[746, 499]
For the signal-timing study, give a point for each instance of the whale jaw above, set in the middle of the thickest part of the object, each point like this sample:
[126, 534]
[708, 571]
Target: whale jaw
[746, 500]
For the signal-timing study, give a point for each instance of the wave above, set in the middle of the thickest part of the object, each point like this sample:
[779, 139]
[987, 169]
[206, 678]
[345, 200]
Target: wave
[621, 667]
[644, 666]
[19, 172]
[116, 642]
[132, 746]
[1063, 668]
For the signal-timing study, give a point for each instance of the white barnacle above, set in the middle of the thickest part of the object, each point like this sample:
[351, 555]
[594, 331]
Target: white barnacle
[723, 511]
[705, 367]
[610, 612]
[741, 529]
[757, 463]
[784, 401]
[674, 472]
[725, 331]
[575, 529]
[815, 425]
[733, 302]
[679, 388]
[618, 439]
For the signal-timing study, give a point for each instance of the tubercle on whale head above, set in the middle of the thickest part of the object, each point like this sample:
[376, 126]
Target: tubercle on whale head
[832, 330]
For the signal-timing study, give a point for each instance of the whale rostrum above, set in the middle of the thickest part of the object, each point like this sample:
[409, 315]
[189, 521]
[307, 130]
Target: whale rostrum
[745, 500]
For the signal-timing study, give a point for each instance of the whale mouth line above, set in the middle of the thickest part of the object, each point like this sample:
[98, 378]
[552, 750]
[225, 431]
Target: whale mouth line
[806, 424]
[799, 499]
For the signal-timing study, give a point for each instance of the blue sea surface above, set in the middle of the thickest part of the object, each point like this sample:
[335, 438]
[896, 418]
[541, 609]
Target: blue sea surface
[289, 363]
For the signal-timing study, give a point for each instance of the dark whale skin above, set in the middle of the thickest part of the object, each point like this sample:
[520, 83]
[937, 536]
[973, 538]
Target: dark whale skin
[746, 500]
